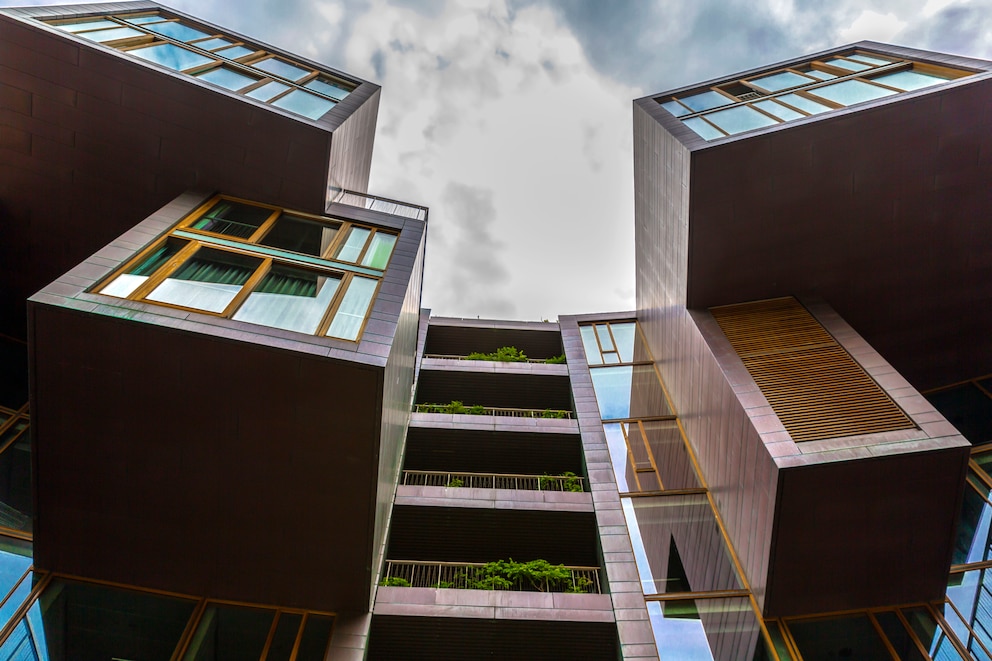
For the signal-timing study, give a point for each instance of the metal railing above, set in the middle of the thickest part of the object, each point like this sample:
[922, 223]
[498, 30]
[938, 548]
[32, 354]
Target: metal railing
[473, 576]
[494, 410]
[572, 483]
[441, 356]
[376, 203]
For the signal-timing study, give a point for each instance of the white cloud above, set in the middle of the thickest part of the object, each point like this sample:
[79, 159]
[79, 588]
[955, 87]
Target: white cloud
[873, 25]
[510, 106]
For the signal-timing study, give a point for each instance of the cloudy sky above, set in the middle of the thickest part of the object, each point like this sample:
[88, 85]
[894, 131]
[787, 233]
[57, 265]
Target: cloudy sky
[511, 119]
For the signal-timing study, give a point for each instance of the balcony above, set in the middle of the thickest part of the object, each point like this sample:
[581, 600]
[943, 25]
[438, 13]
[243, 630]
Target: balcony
[481, 576]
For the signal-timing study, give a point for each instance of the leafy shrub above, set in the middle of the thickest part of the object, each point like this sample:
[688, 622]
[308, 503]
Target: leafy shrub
[454, 407]
[394, 582]
[571, 481]
[502, 355]
[536, 575]
[455, 482]
[555, 360]
[554, 413]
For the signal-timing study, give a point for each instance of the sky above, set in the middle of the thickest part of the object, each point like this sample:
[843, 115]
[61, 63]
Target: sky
[512, 121]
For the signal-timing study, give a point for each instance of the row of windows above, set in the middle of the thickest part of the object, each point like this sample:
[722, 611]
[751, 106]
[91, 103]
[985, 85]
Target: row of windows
[263, 265]
[47, 618]
[697, 600]
[16, 504]
[216, 59]
[683, 558]
[801, 91]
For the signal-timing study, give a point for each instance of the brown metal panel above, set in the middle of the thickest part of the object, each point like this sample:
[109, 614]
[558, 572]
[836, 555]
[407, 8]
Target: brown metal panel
[814, 386]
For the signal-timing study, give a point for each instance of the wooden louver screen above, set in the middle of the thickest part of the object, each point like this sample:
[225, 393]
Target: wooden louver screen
[814, 386]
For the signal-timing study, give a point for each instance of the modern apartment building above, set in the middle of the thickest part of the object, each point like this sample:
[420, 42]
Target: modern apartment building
[243, 438]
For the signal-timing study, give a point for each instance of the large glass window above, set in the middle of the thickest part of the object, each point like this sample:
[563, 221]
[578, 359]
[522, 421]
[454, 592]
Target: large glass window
[699, 629]
[73, 619]
[239, 67]
[852, 77]
[263, 265]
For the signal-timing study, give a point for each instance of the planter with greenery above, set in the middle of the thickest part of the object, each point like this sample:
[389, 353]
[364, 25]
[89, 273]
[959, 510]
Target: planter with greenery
[569, 482]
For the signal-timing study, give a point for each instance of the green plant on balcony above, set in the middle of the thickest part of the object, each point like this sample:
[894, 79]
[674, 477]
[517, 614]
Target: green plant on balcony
[455, 482]
[579, 585]
[454, 407]
[535, 575]
[394, 582]
[502, 355]
[569, 481]
[554, 414]
[555, 360]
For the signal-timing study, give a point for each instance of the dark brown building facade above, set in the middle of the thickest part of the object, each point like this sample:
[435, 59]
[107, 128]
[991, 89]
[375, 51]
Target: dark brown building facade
[243, 438]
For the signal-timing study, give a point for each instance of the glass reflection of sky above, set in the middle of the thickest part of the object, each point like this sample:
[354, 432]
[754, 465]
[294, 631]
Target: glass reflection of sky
[623, 335]
[612, 386]
[640, 555]
[965, 597]
[678, 638]
[172, 56]
[618, 454]
[973, 527]
[593, 357]
[13, 563]
[690, 629]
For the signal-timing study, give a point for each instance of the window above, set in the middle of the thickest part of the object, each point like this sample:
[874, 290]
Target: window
[801, 91]
[217, 59]
[263, 265]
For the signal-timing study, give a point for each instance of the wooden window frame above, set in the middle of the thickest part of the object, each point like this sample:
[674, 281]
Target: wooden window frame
[266, 263]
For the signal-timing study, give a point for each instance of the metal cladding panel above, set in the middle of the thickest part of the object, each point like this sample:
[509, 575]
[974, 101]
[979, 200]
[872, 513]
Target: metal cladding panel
[202, 465]
[95, 140]
[813, 385]
[876, 208]
[427, 639]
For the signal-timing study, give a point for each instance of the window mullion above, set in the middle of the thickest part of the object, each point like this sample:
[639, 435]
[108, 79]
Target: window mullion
[299, 637]
[332, 309]
[246, 289]
[264, 228]
[164, 271]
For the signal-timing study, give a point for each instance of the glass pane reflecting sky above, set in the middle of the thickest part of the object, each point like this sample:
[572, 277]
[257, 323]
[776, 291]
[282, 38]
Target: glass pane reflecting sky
[172, 56]
[628, 391]
[678, 545]
[699, 629]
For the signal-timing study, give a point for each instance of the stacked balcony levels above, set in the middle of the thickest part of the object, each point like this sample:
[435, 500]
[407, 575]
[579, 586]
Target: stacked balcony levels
[493, 543]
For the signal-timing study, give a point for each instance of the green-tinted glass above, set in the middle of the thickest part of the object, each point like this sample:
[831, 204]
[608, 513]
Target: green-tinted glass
[232, 219]
[354, 306]
[380, 248]
[353, 244]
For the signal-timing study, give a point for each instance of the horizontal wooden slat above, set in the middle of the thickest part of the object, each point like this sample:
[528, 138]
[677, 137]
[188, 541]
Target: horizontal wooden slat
[814, 386]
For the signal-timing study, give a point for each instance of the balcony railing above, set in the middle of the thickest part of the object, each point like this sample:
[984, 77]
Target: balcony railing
[493, 410]
[568, 482]
[442, 356]
[376, 203]
[477, 575]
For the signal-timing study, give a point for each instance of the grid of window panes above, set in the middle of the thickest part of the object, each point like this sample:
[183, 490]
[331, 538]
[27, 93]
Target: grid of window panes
[263, 265]
[216, 58]
[915, 632]
[792, 93]
[49, 617]
[968, 604]
[698, 604]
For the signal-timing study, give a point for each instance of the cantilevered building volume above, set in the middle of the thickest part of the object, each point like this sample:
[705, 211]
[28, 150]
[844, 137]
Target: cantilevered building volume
[244, 439]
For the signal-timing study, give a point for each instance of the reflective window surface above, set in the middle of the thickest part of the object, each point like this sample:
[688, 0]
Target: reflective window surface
[707, 630]
[74, 620]
[304, 273]
[808, 89]
[678, 545]
[968, 407]
[629, 391]
[175, 43]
